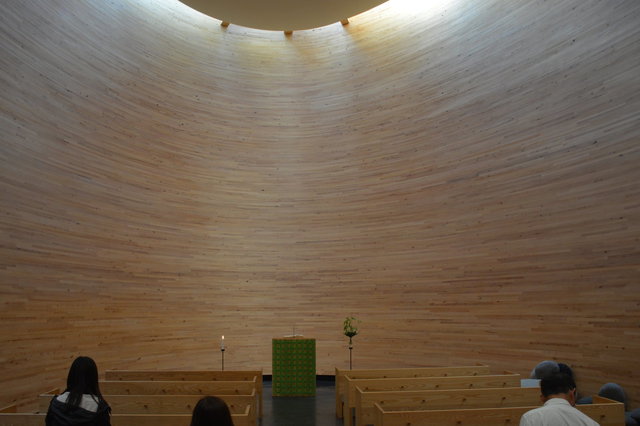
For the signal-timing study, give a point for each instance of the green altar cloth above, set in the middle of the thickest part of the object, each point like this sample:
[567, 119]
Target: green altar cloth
[294, 366]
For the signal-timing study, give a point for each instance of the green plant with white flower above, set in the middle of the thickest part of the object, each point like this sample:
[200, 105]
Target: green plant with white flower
[350, 327]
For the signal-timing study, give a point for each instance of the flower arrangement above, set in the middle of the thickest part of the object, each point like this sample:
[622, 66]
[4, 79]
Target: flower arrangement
[350, 327]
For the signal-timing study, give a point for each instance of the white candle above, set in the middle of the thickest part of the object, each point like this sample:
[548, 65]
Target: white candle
[222, 343]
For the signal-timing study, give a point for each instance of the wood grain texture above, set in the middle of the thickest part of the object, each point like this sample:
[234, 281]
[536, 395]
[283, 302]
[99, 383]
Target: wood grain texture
[342, 385]
[421, 383]
[185, 375]
[118, 387]
[606, 413]
[471, 397]
[442, 400]
[466, 184]
[166, 404]
[37, 419]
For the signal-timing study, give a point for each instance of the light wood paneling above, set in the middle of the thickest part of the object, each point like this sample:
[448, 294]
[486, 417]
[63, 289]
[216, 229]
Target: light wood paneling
[442, 400]
[118, 387]
[240, 417]
[162, 404]
[605, 412]
[466, 184]
[421, 383]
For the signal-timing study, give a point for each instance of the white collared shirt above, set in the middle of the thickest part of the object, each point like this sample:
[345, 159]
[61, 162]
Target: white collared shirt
[556, 412]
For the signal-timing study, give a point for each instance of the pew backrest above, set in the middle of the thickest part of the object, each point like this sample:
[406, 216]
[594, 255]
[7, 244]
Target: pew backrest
[605, 412]
[162, 404]
[374, 373]
[186, 375]
[193, 376]
[423, 383]
[428, 383]
[21, 419]
[117, 387]
[8, 418]
[243, 419]
[442, 400]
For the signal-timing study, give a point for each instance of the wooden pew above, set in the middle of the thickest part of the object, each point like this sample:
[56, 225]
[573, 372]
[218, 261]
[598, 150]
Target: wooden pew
[192, 376]
[399, 373]
[9, 417]
[239, 419]
[442, 400]
[186, 375]
[217, 388]
[604, 411]
[177, 388]
[163, 404]
[423, 383]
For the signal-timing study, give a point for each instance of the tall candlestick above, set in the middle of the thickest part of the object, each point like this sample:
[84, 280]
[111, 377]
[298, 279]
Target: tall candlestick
[222, 351]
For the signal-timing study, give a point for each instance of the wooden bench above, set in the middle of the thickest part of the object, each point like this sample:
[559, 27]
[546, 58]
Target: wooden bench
[191, 376]
[163, 404]
[423, 383]
[442, 400]
[400, 373]
[9, 417]
[117, 387]
[604, 411]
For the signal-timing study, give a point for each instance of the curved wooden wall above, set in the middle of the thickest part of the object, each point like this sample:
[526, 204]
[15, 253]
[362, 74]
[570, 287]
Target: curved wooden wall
[465, 181]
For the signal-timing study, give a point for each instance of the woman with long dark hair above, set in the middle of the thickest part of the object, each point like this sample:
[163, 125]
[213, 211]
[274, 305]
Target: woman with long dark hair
[81, 404]
[211, 411]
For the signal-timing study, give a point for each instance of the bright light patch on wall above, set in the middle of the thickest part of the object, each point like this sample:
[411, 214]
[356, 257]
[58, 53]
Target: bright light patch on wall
[420, 7]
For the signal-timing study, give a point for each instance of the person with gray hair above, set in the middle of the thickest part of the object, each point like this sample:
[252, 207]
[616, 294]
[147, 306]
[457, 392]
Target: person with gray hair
[544, 369]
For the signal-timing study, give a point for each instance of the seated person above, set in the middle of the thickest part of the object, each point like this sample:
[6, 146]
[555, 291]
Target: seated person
[211, 411]
[81, 403]
[559, 397]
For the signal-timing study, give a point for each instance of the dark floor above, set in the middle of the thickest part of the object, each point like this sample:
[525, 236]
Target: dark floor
[316, 410]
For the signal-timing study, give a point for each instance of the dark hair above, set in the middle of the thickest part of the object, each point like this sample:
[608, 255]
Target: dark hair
[211, 411]
[564, 368]
[82, 379]
[554, 384]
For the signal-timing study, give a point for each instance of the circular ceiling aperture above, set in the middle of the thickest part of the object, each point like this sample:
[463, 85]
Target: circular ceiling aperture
[282, 15]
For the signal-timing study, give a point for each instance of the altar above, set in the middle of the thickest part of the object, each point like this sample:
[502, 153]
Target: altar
[294, 366]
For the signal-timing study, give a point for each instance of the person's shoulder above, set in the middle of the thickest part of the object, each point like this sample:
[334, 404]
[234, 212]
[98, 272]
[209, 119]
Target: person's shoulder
[537, 410]
[103, 407]
[56, 402]
[530, 415]
[579, 416]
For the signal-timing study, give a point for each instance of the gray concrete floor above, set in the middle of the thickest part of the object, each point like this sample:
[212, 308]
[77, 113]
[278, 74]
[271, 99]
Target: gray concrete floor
[316, 410]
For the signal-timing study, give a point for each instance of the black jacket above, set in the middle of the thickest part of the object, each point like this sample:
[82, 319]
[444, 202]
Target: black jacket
[61, 414]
